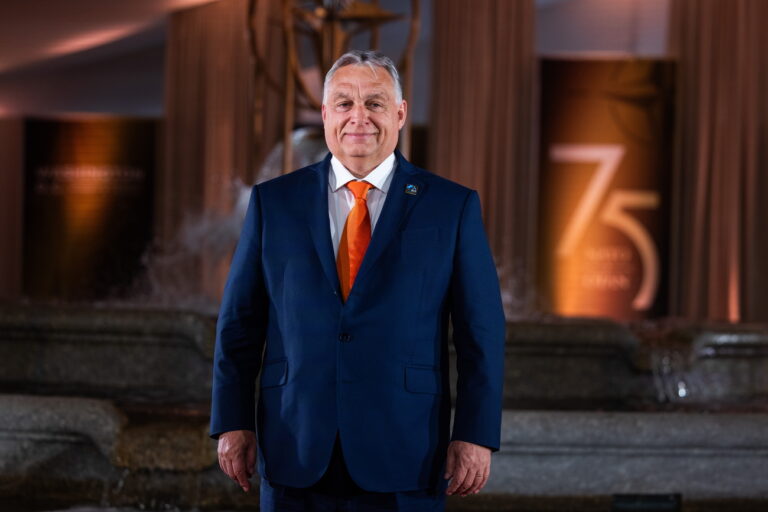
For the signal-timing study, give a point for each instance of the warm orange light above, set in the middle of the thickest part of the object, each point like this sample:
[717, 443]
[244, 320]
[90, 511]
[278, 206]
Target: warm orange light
[734, 308]
[91, 39]
[173, 5]
[86, 186]
[602, 188]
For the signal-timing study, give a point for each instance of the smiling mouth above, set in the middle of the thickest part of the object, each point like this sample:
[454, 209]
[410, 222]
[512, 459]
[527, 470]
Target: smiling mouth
[359, 135]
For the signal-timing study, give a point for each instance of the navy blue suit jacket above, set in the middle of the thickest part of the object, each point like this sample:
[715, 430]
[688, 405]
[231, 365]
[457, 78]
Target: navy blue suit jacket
[373, 368]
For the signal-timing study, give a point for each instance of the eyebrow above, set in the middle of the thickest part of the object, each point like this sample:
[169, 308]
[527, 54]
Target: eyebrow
[377, 95]
[340, 95]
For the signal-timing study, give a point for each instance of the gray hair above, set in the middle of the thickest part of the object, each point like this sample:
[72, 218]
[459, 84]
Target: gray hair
[368, 58]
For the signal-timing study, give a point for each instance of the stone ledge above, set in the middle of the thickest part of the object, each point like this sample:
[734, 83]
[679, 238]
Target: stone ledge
[699, 455]
[112, 353]
[29, 422]
[120, 324]
[54, 418]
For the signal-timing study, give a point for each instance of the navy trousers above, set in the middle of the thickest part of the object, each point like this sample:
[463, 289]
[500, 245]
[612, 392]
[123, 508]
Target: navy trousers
[336, 491]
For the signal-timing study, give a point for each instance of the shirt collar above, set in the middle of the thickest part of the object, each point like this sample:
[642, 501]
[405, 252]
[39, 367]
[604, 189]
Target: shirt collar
[379, 177]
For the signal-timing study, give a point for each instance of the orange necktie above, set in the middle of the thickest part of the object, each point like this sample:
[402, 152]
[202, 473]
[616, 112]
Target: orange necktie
[355, 237]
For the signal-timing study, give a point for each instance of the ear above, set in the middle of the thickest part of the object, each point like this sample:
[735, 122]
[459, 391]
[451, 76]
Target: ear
[402, 113]
[322, 111]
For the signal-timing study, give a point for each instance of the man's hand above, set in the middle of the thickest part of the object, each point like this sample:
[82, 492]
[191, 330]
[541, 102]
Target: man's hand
[237, 456]
[468, 466]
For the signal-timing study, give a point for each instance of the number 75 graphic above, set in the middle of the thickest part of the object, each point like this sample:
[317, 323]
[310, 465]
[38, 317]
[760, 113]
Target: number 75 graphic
[614, 212]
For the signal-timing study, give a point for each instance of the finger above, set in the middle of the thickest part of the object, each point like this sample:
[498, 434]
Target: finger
[476, 483]
[449, 464]
[476, 479]
[228, 468]
[482, 484]
[458, 478]
[220, 455]
[238, 465]
[467, 482]
[486, 476]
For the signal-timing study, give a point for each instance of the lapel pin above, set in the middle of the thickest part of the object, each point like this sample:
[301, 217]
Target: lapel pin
[411, 189]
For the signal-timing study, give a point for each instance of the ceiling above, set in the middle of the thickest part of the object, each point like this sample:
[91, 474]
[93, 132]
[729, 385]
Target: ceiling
[37, 32]
[41, 34]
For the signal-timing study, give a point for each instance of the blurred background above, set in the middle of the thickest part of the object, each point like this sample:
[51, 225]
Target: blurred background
[618, 147]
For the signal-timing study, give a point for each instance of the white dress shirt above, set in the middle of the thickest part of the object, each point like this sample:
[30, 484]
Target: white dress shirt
[341, 199]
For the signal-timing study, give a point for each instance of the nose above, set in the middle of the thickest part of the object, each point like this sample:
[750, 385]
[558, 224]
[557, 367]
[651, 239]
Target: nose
[359, 114]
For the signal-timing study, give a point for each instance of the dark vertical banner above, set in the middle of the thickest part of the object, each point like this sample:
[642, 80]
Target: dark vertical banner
[604, 186]
[88, 205]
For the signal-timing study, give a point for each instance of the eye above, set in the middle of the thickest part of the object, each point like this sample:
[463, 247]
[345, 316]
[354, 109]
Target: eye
[344, 104]
[376, 105]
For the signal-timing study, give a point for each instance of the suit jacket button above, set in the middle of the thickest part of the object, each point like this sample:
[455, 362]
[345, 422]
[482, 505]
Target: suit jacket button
[345, 337]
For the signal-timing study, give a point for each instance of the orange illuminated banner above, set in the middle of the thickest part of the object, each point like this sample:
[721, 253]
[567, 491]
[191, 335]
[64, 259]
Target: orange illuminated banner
[88, 205]
[603, 205]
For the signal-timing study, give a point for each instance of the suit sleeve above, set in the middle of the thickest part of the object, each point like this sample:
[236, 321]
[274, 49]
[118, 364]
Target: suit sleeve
[478, 323]
[240, 331]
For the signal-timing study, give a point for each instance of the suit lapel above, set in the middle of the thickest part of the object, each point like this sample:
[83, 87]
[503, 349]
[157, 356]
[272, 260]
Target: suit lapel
[395, 210]
[319, 226]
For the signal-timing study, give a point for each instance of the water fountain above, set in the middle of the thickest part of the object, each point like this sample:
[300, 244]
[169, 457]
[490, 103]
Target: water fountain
[596, 409]
[108, 406]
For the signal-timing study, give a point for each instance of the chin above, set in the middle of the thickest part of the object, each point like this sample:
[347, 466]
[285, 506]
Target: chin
[359, 153]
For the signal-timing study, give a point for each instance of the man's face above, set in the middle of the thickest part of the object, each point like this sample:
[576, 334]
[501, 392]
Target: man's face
[360, 116]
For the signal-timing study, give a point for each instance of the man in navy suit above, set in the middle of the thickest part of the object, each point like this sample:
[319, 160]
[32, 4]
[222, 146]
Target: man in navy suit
[338, 299]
